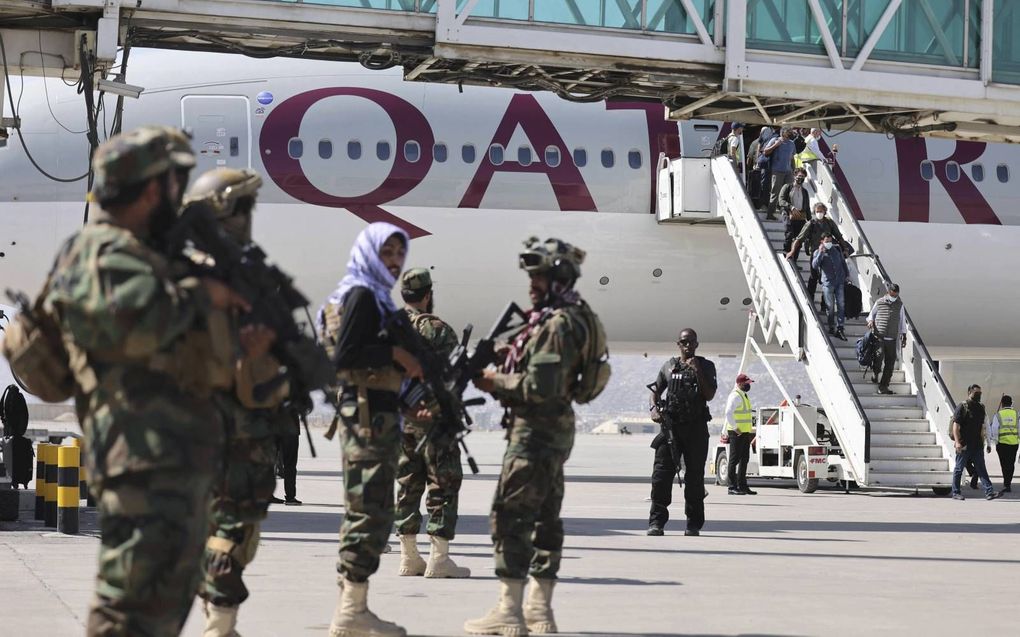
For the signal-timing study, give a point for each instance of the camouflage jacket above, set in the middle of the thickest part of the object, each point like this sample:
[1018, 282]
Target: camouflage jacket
[439, 336]
[538, 391]
[120, 311]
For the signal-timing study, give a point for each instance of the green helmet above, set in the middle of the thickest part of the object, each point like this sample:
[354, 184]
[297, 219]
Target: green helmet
[560, 260]
[136, 156]
[416, 280]
[230, 193]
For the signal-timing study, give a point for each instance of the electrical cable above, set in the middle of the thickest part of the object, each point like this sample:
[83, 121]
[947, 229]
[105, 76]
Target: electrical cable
[46, 90]
[17, 119]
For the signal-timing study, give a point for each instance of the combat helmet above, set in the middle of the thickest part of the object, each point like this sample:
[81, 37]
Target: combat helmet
[559, 259]
[230, 194]
[415, 283]
[136, 156]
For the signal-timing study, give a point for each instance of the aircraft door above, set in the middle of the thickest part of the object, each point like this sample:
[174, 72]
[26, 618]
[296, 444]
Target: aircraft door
[220, 126]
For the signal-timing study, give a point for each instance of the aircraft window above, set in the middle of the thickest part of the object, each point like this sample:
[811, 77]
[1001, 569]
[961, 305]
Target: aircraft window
[634, 159]
[952, 171]
[706, 127]
[927, 170]
[467, 153]
[295, 148]
[354, 149]
[439, 153]
[496, 154]
[977, 172]
[325, 148]
[608, 158]
[552, 156]
[382, 150]
[580, 157]
[524, 156]
[412, 151]
[1002, 172]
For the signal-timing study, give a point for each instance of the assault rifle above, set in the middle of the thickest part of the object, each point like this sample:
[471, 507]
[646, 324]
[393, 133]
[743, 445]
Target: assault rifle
[271, 294]
[667, 428]
[445, 379]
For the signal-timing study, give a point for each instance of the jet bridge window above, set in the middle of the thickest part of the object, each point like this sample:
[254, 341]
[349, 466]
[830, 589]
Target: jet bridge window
[952, 171]
[354, 149]
[1002, 172]
[496, 155]
[325, 148]
[552, 156]
[439, 153]
[467, 153]
[608, 158]
[524, 156]
[927, 170]
[295, 148]
[412, 151]
[634, 159]
[977, 172]
[580, 157]
[382, 150]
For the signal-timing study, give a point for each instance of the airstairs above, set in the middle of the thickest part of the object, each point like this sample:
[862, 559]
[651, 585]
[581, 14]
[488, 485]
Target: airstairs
[897, 440]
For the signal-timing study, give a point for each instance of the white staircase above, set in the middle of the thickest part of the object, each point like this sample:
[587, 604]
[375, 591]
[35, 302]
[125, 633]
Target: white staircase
[896, 440]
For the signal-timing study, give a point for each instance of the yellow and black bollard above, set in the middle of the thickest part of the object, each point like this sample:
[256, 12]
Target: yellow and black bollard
[83, 482]
[40, 480]
[51, 486]
[68, 489]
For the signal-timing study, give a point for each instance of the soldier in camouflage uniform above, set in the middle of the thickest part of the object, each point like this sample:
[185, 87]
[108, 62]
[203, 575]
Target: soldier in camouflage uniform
[352, 323]
[241, 496]
[437, 464]
[142, 350]
[536, 384]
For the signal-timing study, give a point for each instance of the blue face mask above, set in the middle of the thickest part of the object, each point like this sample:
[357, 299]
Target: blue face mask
[828, 245]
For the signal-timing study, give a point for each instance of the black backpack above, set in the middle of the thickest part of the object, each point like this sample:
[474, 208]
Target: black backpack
[867, 350]
[13, 412]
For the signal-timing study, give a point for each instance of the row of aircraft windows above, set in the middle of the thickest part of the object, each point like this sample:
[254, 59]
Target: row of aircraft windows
[440, 153]
[953, 171]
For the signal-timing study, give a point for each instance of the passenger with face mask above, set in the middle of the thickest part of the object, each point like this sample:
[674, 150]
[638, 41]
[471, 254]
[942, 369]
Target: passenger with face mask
[828, 260]
[794, 202]
[888, 319]
[968, 438]
[739, 432]
[810, 236]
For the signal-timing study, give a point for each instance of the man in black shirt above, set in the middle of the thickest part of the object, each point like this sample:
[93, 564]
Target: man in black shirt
[968, 436]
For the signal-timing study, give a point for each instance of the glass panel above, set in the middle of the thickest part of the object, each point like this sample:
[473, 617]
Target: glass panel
[580, 157]
[669, 16]
[510, 9]
[439, 153]
[927, 170]
[927, 32]
[624, 14]
[608, 158]
[1006, 42]
[295, 148]
[1002, 172]
[634, 159]
[467, 153]
[496, 154]
[552, 156]
[977, 172]
[390, 5]
[524, 156]
[354, 149]
[382, 150]
[789, 26]
[412, 151]
[325, 148]
[953, 171]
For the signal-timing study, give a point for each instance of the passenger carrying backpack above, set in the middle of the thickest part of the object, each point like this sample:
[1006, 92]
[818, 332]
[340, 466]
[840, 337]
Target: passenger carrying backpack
[596, 370]
[13, 412]
[867, 350]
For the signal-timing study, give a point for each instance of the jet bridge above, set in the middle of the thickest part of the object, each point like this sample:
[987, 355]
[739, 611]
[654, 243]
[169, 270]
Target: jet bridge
[888, 440]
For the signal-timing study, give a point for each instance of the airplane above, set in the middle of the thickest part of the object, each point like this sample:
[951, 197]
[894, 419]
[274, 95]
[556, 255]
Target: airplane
[472, 171]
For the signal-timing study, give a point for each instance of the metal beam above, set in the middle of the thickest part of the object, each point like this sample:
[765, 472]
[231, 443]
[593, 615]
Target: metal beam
[695, 105]
[876, 34]
[761, 109]
[699, 24]
[987, 33]
[823, 28]
[801, 111]
[856, 111]
[940, 34]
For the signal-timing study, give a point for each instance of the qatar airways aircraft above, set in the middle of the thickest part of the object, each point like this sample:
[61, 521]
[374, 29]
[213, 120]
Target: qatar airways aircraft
[472, 172]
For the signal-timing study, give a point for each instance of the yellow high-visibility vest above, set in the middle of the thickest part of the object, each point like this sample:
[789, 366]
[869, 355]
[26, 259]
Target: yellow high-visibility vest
[1008, 426]
[742, 415]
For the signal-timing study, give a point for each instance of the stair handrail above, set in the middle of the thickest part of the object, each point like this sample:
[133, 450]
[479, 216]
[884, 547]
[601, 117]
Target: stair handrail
[723, 168]
[927, 377]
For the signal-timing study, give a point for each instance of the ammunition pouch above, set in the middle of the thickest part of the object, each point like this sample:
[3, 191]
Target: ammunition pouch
[384, 379]
[37, 355]
[250, 374]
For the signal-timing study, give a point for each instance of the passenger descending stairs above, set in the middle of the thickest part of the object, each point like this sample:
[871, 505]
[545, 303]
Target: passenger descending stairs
[896, 440]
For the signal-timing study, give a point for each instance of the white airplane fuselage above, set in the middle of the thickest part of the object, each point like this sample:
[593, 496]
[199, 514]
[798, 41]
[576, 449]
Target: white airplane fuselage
[339, 146]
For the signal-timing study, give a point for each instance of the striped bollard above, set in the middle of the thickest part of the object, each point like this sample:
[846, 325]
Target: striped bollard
[68, 489]
[83, 483]
[40, 480]
[51, 486]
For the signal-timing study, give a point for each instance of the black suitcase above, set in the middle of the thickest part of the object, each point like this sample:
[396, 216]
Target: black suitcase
[754, 185]
[853, 303]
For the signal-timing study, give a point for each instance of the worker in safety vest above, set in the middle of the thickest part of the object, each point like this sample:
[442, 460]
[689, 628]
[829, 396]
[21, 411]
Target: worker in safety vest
[740, 433]
[1003, 430]
[812, 151]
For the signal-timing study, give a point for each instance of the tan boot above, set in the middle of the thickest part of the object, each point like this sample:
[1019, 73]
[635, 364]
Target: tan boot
[507, 617]
[440, 564]
[538, 608]
[220, 621]
[353, 619]
[411, 562]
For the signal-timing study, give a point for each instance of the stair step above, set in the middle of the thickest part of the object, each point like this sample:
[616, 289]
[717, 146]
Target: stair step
[905, 452]
[884, 401]
[911, 465]
[894, 438]
[868, 388]
[894, 413]
[919, 479]
[898, 425]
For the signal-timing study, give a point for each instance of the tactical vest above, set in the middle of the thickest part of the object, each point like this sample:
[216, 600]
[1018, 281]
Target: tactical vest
[1008, 426]
[887, 317]
[742, 415]
[330, 319]
[683, 395]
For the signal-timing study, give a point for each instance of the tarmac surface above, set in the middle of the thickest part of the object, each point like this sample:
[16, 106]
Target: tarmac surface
[779, 563]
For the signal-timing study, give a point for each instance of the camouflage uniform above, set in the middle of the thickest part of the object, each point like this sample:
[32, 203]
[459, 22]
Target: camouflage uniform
[138, 342]
[438, 463]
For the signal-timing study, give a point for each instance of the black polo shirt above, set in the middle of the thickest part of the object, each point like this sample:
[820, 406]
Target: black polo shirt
[971, 418]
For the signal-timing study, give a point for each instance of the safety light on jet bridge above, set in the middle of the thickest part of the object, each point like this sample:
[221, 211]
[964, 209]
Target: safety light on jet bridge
[118, 86]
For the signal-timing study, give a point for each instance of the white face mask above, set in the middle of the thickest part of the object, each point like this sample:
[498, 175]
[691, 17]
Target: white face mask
[819, 215]
[828, 245]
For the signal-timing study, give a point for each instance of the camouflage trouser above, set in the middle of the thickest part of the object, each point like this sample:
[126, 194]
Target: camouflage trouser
[239, 503]
[370, 466]
[439, 467]
[527, 532]
[154, 526]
